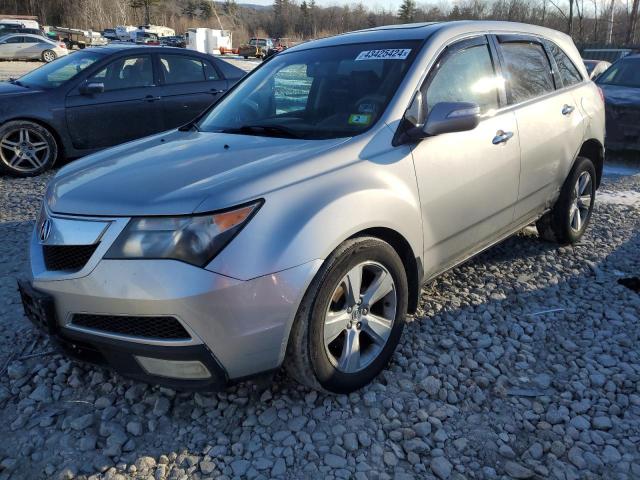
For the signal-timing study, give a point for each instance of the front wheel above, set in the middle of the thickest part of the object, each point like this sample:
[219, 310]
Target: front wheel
[49, 56]
[351, 318]
[26, 148]
[568, 219]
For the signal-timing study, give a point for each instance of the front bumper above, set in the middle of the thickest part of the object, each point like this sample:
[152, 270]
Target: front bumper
[236, 328]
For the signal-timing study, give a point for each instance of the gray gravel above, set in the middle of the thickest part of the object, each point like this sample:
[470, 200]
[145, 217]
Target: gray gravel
[523, 363]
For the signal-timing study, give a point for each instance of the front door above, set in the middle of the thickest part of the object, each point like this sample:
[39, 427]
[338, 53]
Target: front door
[468, 181]
[127, 109]
[189, 85]
[10, 48]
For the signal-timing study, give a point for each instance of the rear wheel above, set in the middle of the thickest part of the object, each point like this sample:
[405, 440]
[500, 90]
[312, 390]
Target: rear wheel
[26, 148]
[49, 56]
[351, 318]
[568, 219]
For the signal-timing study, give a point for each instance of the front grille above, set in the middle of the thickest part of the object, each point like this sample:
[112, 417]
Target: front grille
[165, 328]
[67, 257]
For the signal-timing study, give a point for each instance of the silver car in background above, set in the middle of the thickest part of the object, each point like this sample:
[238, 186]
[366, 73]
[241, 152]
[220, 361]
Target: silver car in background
[295, 222]
[24, 46]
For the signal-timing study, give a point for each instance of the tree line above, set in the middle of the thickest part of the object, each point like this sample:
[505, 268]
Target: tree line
[587, 21]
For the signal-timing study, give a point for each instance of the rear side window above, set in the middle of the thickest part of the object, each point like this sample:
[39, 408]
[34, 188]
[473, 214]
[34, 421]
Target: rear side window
[181, 69]
[527, 71]
[466, 75]
[567, 70]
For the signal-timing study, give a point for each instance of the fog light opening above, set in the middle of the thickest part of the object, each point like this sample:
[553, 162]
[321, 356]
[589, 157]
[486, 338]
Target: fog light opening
[182, 369]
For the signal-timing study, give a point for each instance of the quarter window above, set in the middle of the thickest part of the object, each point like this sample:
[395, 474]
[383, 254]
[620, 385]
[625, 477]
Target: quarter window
[180, 69]
[567, 70]
[527, 70]
[467, 75]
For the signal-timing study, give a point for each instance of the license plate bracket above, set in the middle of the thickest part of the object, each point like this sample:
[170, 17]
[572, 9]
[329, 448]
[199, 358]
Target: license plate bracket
[39, 307]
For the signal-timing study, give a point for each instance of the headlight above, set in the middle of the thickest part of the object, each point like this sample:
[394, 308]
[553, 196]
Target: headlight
[194, 239]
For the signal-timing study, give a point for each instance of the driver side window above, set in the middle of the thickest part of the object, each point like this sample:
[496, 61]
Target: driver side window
[130, 72]
[466, 75]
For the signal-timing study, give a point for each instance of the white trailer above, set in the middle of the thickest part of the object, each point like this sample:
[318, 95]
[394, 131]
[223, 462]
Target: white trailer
[125, 32]
[152, 33]
[209, 40]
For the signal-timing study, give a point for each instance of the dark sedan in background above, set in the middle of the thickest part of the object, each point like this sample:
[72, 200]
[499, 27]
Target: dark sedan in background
[620, 85]
[103, 96]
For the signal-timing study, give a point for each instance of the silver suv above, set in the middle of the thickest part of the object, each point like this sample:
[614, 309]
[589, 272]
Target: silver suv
[295, 222]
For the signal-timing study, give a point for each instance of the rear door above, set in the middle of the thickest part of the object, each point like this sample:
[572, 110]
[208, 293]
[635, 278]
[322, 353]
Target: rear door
[127, 109]
[550, 125]
[33, 47]
[189, 84]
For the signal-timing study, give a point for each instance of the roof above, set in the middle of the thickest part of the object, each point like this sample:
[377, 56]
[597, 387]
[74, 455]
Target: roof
[132, 47]
[422, 31]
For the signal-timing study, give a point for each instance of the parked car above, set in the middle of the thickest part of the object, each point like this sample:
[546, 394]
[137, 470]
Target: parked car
[21, 46]
[110, 34]
[595, 67]
[174, 41]
[621, 87]
[11, 29]
[99, 97]
[295, 222]
[257, 47]
[608, 54]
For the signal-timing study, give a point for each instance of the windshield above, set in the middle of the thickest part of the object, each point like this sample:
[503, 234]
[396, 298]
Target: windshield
[320, 93]
[54, 74]
[261, 42]
[625, 73]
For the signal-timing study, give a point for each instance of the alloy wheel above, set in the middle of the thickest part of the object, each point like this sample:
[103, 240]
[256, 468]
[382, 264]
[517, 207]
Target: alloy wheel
[582, 199]
[24, 150]
[360, 317]
[49, 56]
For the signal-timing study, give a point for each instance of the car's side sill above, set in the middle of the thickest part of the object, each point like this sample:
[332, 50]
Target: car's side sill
[486, 246]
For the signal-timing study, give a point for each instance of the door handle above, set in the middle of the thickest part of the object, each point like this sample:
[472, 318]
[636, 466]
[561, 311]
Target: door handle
[568, 109]
[151, 98]
[502, 137]
[216, 91]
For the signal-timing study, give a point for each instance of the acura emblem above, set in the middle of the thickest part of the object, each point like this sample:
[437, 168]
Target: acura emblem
[45, 230]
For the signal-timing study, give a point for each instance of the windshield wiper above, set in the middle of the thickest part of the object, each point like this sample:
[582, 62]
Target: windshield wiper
[267, 130]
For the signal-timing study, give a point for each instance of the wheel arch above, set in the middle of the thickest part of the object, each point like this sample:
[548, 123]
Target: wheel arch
[594, 151]
[412, 265]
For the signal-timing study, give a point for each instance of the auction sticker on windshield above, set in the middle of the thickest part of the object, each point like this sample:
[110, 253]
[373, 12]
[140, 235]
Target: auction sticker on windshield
[386, 54]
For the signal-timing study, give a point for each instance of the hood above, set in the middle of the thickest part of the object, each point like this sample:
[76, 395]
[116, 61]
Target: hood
[619, 95]
[7, 88]
[173, 173]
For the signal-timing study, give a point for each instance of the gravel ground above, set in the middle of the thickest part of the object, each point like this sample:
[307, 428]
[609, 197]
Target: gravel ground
[522, 363]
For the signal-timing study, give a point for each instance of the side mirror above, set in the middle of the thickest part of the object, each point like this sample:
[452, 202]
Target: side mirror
[449, 117]
[92, 88]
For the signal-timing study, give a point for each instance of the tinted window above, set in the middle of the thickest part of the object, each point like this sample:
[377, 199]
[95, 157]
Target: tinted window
[567, 70]
[465, 76]
[182, 69]
[528, 72]
[210, 72]
[130, 72]
[228, 70]
[15, 40]
[625, 73]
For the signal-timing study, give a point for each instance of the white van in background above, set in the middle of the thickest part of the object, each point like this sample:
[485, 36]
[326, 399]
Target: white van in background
[17, 22]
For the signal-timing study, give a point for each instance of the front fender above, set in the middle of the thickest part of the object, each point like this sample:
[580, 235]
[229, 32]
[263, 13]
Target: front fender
[307, 220]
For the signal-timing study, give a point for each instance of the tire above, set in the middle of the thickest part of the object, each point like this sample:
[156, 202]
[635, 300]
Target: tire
[568, 219]
[324, 365]
[81, 46]
[246, 57]
[49, 56]
[26, 148]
